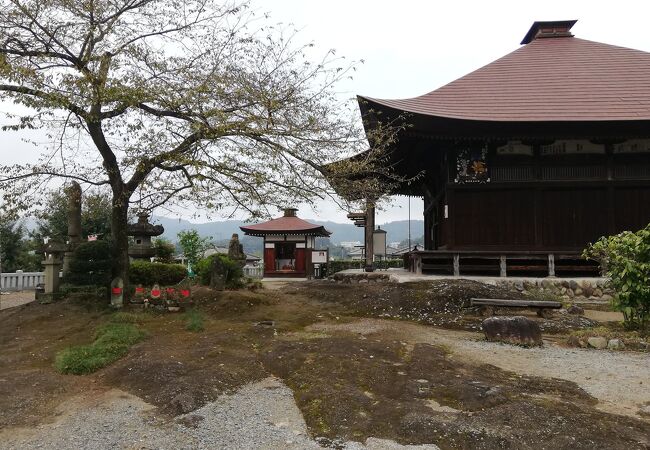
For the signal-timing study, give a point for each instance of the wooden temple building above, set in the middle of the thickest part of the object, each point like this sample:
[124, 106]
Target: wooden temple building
[526, 160]
[289, 245]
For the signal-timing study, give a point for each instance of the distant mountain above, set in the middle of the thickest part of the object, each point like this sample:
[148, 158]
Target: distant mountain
[341, 232]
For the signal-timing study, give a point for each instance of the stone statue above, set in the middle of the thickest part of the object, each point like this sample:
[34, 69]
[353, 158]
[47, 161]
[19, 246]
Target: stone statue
[236, 250]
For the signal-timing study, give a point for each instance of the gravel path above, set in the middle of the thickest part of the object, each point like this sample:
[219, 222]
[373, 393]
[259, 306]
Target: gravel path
[620, 380]
[262, 415]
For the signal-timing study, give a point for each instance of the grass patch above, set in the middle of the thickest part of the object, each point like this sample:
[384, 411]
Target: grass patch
[112, 341]
[195, 320]
[127, 317]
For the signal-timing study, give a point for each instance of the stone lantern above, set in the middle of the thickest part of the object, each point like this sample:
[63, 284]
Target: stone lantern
[142, 232]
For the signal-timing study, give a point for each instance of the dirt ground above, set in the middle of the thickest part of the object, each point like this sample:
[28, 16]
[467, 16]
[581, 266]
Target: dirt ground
[355, 371]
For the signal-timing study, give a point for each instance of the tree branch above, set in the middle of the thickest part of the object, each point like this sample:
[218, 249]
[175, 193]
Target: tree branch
[50, 97]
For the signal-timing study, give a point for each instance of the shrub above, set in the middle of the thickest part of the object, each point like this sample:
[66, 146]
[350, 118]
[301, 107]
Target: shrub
[625, 258]
[234, 272]
[90, 264]
[112, 341]
[148, 273]
[193, 246]
[194, 320]
[164, 250]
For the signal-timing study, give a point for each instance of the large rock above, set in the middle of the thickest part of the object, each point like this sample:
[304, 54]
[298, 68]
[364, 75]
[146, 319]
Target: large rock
[615, 344]
[576, 310]
[598, 342]
[516, 330]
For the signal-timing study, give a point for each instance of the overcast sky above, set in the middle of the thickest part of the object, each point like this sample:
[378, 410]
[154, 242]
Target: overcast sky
[413, 47]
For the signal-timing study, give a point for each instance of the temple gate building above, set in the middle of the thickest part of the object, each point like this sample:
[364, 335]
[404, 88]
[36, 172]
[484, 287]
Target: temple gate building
[289, 243]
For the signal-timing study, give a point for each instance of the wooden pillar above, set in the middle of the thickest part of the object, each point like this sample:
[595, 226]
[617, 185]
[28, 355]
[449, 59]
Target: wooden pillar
[551, 265]
[611, 194]
[502, 266]
[456, 265]
[370, 227]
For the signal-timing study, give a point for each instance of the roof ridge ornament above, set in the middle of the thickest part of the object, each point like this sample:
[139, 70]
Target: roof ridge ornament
[549, 29]
[290, 212]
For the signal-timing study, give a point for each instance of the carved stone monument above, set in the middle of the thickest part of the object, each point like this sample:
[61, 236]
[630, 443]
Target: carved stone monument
[74, 223]
[142, 232]
[52, 265]
[117, 293]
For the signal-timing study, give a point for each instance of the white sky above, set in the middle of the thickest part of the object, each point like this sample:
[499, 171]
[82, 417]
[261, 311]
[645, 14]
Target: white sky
[413, 47]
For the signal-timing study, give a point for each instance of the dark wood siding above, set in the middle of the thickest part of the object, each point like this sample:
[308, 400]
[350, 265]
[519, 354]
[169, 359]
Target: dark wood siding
[542, 217]
[493, 218]
[631, 208]
[572, 217]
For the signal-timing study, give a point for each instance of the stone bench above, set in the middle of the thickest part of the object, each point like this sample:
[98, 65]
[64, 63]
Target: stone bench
[488, 305]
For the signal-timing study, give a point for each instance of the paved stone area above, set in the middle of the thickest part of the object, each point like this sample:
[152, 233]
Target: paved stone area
[13, 299]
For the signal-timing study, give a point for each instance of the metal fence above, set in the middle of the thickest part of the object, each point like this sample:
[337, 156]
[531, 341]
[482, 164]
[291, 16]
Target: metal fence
[21, 281]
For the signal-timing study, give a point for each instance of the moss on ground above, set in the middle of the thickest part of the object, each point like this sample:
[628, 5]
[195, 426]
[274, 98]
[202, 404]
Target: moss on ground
[112, 342]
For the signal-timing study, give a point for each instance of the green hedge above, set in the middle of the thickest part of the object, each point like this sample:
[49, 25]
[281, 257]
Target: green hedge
[147, 273]
[339, 265]
[235, 272]
[90, 264]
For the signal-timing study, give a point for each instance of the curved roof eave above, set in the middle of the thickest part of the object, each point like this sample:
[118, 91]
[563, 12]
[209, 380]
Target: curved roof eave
[562, 79]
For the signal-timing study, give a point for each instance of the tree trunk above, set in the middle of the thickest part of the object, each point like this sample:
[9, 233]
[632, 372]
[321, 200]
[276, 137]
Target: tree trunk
[120, 244]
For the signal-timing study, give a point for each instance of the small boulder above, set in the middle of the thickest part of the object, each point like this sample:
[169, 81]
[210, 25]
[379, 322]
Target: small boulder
[183, 403]
[615, 344]
[574, 341]
[575, 310]
[516, 330]
[645, 410]
[598, 342]
[190, 421]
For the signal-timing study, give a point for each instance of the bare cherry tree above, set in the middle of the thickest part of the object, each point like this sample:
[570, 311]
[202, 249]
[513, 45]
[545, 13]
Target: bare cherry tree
[176, 102]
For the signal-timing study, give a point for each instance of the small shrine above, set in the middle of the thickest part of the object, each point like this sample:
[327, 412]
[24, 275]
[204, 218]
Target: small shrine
[142, 232]
[289, 244]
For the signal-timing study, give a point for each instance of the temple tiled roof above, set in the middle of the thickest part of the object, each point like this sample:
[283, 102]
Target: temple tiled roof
[285, 225]
[553, 77]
